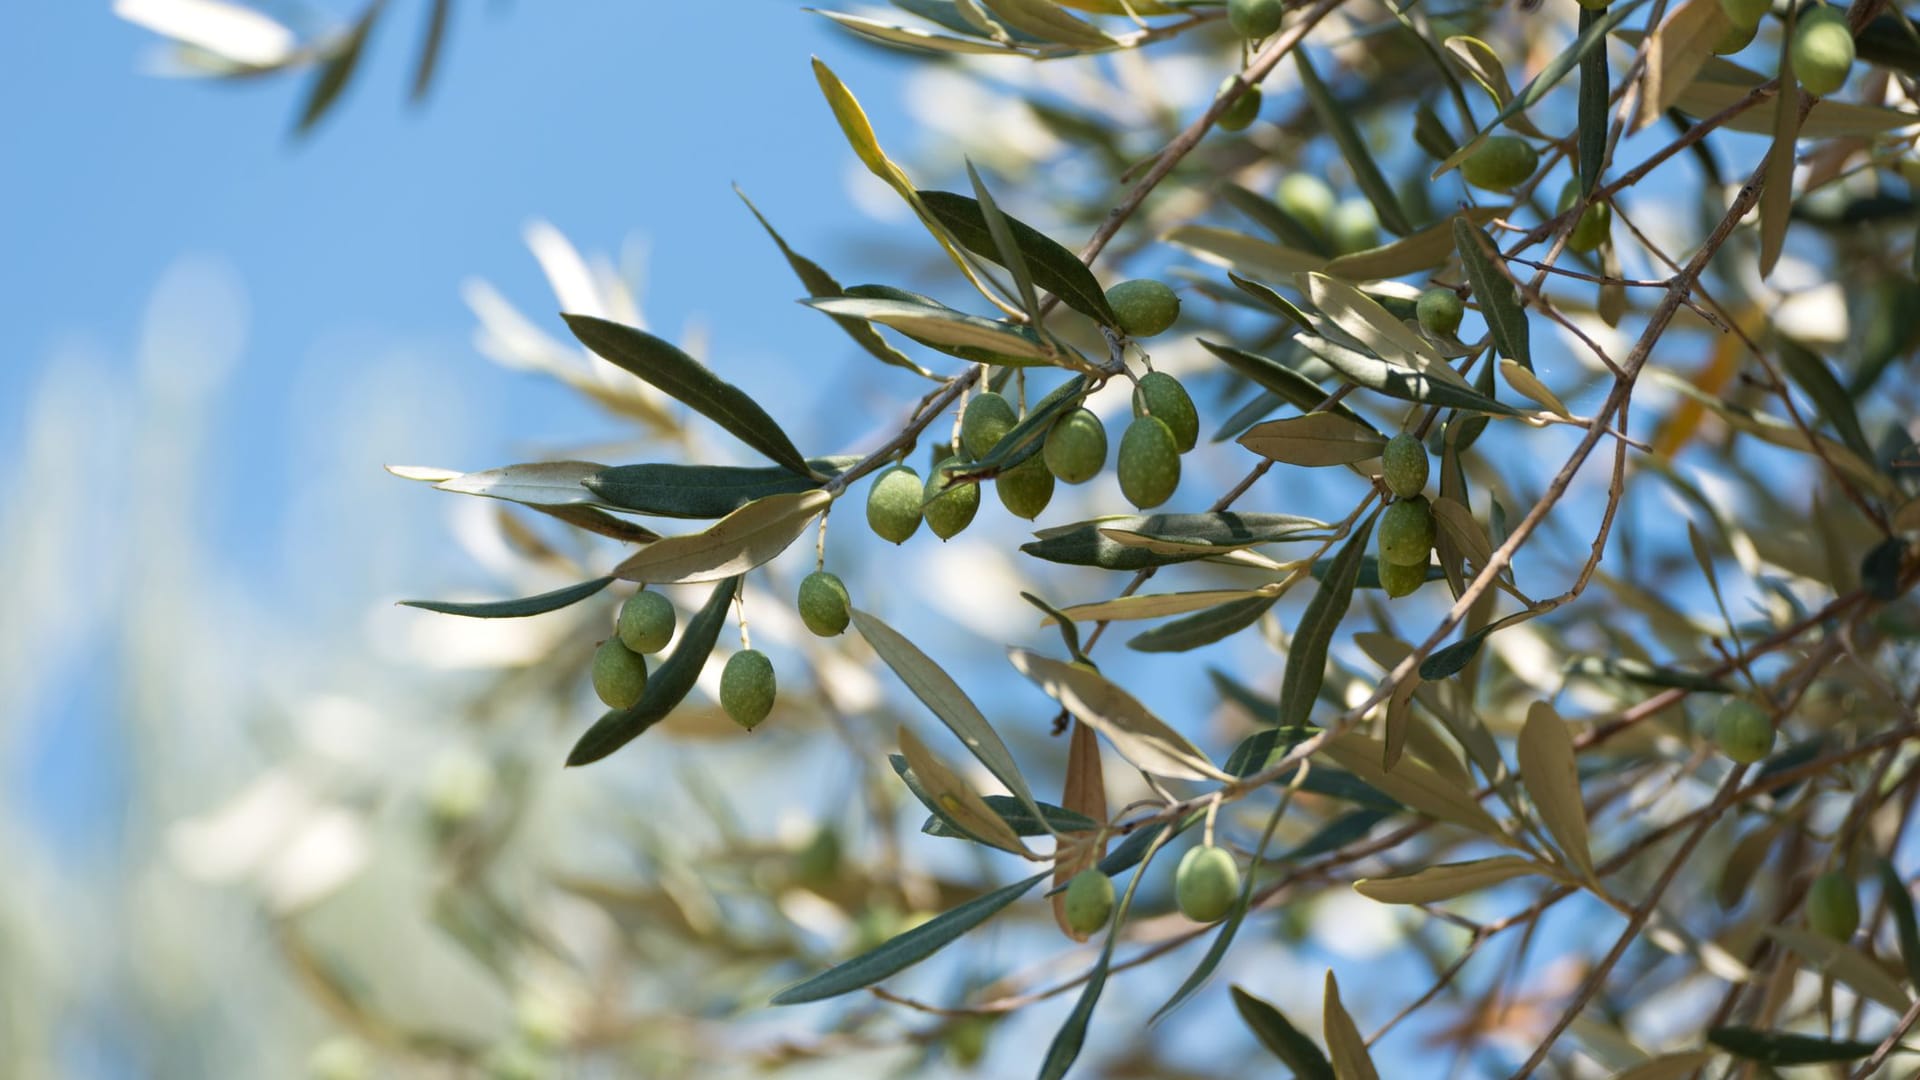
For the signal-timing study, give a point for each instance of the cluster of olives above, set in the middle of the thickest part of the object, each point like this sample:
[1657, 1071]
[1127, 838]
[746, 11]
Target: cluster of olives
[1821, 53]
[1341, 225]
[1166, 425]
[1206, 885]
[1407, 527]
[747, 686]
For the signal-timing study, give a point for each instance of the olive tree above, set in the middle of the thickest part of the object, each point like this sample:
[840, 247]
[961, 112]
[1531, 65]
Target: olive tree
[1499, 409]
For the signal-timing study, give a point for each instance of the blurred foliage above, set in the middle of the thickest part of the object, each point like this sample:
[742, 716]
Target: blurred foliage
[1520, 800]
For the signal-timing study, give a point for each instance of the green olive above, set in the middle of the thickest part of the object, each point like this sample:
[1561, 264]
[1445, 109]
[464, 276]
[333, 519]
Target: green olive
[1744, 731]
[1160, 394]
[893, 504]
[1833, 906]
[1406, 532]
[1026, 489]
[949, 506]
[823, 603]
[1594, 225]
[1254, 18]
[988, 418]
[1089, 902]
[1206, 884]
[1144, 307]
[1242, 113]
[1822, 51]
[1400, 580]
[1307, 199]
[619, 674]
[1439, 312]
[1355, 226]
[747, 687]
[1404, 465]
[1149, 464]
[1076, 447]
[646, 622]
[1502, 163]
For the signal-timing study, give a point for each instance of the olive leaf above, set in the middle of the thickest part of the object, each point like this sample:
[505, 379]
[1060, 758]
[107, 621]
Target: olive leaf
[1307, 653]
[1411, 782]
[1297, 389]
[1447, 880]
[820, 283]
[911, 37]
[1369, 324]
[1552, 779]
[1337, 120]
[1142, 738]
[956, 332]
[1398, 381]
[1595, 95]
[1314, 439]
[937, 690]
[1288, 1043]
[342, 59]
[744, 539]
[666, 687]
[1844, 964]
[687, 380]
[1205, 627]
[1344, 1044]
[1422, 250]
[904, 950]
[1053, 267]
[1776, 192]
[1786, 1048]
[1499, 301]
[702, 491]
[514, 609]
[957, 801]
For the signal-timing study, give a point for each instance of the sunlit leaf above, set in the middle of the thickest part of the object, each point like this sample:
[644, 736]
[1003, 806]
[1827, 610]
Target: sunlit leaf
[744, 539]
[956, 801]
[1344, 1044]
[1204, 627]
[1552, 778]
[1054, 268]
[1411, 782]
[1142, 738]
[1314, 439]
[702, 491]
[1397, 381]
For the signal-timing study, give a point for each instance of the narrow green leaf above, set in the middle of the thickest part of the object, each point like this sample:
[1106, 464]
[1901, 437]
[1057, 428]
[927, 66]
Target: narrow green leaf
[820, 283]
[907, 949]
[1645, 674]
[430, 43]
[944, 697]
[1395, 381]
[1594, 88]
[1337, 120]
[1007, 249]
[1204, 627]
[1019, 818]
[1423, 250]
[1552, 779]
[1267, 296]
[1315, 439]
[951, 331]
[1054, 268]
[1446, 662]
[1145, 740]
[1812, 375]
[1299, 391]
[702, 491]
[1344, 1043]
[342, 60]
[1288, 1043]
[1499, 301]
[1844, 963]
[1785, 1048]
[1373, 327]
[686, 379]
[1446, 881]
[514, 609]
[666, 687]
[1307, 652]
[1087, 543]
[1776, 192]
[1900, 903]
